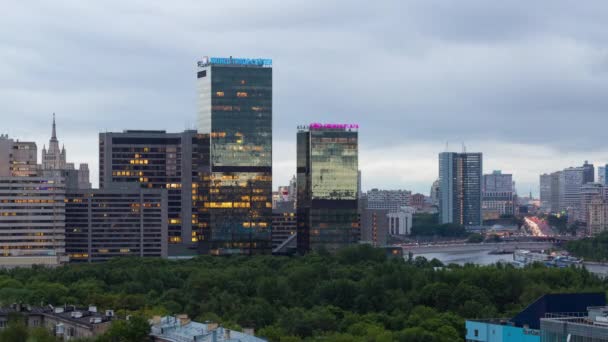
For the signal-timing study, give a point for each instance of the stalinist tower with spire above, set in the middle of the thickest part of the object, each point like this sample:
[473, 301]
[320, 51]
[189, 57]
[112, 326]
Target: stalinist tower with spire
[54, 165]
[54, 158]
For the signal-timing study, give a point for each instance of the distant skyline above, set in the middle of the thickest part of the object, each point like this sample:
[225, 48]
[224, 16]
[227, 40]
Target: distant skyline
[522, 82]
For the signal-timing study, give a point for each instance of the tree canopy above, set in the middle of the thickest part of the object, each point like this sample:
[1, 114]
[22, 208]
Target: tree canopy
[358, 294]
[593, 248]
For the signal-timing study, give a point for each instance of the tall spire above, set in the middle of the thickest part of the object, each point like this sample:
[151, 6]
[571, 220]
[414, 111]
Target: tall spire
[54, 135]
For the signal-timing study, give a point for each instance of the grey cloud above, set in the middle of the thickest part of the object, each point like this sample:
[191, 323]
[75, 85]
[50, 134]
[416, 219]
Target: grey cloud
[418, 72]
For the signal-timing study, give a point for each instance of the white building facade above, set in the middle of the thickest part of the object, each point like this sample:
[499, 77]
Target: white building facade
[400, 222]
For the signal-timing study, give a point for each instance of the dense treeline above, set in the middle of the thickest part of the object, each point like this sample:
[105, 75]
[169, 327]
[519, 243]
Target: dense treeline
[593, 248]
[357, 295]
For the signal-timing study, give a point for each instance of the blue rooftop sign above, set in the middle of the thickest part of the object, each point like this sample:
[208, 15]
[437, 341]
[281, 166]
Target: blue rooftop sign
[261, 62]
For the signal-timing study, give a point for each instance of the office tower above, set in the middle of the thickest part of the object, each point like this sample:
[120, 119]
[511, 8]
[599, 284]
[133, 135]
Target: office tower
[545, 192]
[116, 222]
[460, 188]
[54, 164]
[588, 193]
[327, 164]
[32, 221]
[588, 173]
[497, 195]
[17, 158]
[161, 160]
[388, 199]
[556, 189]
[235, 110]
[601, 174]
[571, 181]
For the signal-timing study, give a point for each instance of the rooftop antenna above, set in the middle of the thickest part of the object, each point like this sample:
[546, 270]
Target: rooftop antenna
[447, 146]
[464, 148]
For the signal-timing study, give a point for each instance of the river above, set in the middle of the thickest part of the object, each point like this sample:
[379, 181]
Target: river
[485, 258]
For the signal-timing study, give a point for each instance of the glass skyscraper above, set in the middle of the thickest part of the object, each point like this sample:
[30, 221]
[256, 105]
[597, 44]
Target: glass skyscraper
[235, 110]
[460, 188]
[327, 168]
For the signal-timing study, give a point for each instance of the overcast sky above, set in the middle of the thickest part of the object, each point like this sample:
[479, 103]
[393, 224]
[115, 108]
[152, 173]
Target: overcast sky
[524, 82]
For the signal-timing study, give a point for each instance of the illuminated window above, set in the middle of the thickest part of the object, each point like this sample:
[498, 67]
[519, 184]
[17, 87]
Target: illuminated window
[175, 221]
[125, 250]
[175, 239]
[219, 93]
[241, 94]
[218, 205]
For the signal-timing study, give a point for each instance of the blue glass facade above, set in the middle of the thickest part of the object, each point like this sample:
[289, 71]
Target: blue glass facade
[490, 332]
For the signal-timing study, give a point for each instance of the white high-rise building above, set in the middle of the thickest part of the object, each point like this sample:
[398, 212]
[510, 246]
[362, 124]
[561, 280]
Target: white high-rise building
[388, 199]
[571, 181]
[545, 192]
[497, 195]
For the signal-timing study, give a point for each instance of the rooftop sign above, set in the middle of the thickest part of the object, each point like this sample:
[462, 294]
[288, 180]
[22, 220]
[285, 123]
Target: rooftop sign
[261, 62]
[319, 126]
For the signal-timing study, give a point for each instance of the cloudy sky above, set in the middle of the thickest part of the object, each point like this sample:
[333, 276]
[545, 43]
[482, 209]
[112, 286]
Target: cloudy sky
[524, 82]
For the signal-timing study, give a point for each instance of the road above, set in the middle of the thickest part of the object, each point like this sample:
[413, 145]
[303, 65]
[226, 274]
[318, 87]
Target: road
[472, 247]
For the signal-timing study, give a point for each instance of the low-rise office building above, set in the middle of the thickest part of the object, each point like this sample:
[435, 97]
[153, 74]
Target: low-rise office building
[181, 329]
[526, 326]
[116, 222]
[65, 322]
[589, 326]
[400, 221]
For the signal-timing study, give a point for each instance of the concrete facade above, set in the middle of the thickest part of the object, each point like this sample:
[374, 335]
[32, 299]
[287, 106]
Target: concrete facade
[116, 222]
[32, 220]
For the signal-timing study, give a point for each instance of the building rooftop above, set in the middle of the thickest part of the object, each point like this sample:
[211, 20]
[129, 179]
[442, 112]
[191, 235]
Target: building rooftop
[181, 329]
[83, 316]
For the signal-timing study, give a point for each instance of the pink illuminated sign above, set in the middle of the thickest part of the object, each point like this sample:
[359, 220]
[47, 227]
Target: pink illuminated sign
[316, 125]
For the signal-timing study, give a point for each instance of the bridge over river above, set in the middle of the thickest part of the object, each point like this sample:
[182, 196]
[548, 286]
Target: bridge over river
[504, 247]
